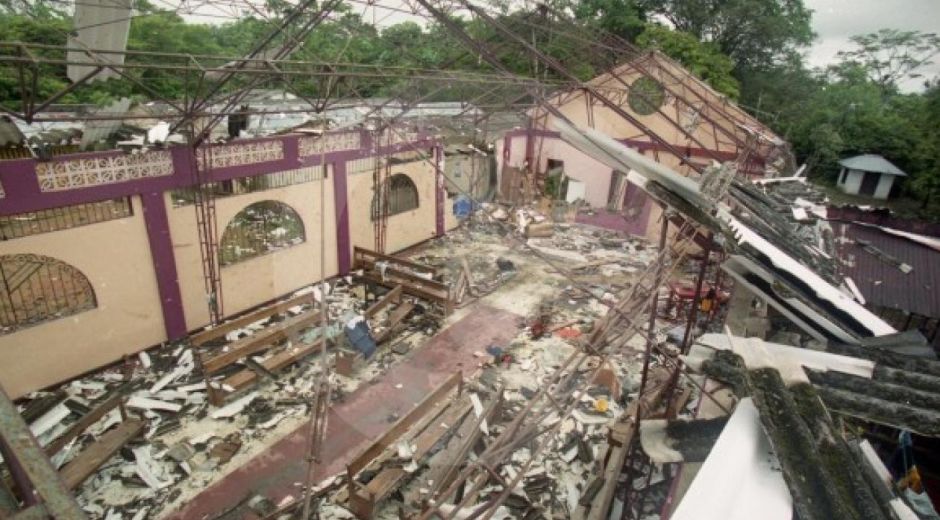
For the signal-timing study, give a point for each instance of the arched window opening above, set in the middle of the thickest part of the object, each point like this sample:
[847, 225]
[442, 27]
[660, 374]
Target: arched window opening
[402, 196]
[259, 229]
[35, 288]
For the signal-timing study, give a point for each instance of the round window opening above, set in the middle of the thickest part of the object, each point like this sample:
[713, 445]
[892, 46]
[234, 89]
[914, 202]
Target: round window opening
[646, 96]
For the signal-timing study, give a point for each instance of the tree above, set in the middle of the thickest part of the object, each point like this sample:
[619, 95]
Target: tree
[623, 18]
[753, 33]
[702, 59]
[889, 56]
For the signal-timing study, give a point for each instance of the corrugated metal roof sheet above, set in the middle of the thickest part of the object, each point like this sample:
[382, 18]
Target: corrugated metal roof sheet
[881, 282]
[872, 163]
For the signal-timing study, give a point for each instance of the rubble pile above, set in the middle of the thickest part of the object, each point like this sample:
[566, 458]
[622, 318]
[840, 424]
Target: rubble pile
[187, 443]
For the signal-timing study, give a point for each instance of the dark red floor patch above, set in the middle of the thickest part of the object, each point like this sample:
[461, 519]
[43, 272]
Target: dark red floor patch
[363, 415]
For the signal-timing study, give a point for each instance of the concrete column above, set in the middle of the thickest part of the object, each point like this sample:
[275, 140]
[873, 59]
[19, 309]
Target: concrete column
[164, 263]
[341, 205]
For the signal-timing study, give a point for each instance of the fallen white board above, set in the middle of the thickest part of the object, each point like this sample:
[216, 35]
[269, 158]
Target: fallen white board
[739, 479]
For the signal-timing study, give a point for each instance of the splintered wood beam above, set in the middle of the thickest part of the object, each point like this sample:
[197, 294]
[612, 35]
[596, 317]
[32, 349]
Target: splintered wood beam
[260, 341]
[222, 329]
[89, 460]
[393, 296]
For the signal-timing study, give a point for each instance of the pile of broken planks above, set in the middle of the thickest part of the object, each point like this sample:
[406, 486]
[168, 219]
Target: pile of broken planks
[416, 279]
[415, 440]
[92, 456]
[280, 339]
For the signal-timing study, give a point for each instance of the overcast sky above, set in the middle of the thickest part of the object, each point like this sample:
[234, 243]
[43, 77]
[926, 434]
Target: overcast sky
[834, 21]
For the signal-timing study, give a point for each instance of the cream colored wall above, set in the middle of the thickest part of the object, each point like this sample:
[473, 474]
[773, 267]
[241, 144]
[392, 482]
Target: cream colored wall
[405, 229]
[115, 257]
[251, 282]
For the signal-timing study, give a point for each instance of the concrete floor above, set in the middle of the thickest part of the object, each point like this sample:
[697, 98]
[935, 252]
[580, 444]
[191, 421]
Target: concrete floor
[362, 415]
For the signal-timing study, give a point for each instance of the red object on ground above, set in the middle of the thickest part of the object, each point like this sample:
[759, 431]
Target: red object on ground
[568, 332]
[363, 415]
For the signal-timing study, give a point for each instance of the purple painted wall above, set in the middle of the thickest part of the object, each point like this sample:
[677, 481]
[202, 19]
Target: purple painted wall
[164, 263]
[23, 194]
[341, 204]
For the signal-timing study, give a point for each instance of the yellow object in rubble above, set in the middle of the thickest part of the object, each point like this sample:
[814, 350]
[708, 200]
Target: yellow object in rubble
[601, 405]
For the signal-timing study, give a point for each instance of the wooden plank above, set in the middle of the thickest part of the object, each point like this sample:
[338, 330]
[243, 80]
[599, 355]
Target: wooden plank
[34, 512]
[393, 320]
[364, 500]
[402, 425]
[84, 422]
[247, 319]
[362, 503]
[463, 452]
[435, 293]
[342, 496]
[367, 258]
[89, 460]
[393, 296]
[260, 341]
[274, 363]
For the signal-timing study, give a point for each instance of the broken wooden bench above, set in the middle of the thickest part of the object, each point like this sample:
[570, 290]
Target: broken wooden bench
[242, 349]
[441, 412]
[348, 359]
[416, 279]
[103, 448]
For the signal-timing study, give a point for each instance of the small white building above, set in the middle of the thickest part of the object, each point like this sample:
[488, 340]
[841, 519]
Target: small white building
[868, 175]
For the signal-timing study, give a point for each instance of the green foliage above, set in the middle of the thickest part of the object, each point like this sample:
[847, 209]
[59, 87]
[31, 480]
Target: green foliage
[623, 18]
[889, 55]
[703, 59]
[753, 33]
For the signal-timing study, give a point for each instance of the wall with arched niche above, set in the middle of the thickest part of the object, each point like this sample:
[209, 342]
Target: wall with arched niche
[114, 257]
[255, 279]
[404, 229]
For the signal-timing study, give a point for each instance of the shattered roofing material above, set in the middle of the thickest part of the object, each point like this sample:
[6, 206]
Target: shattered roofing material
[882, 283]
[823, 290]
[872, 163]
[100, 25]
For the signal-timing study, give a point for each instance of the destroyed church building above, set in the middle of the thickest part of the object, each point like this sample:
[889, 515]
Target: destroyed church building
[468, 294]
